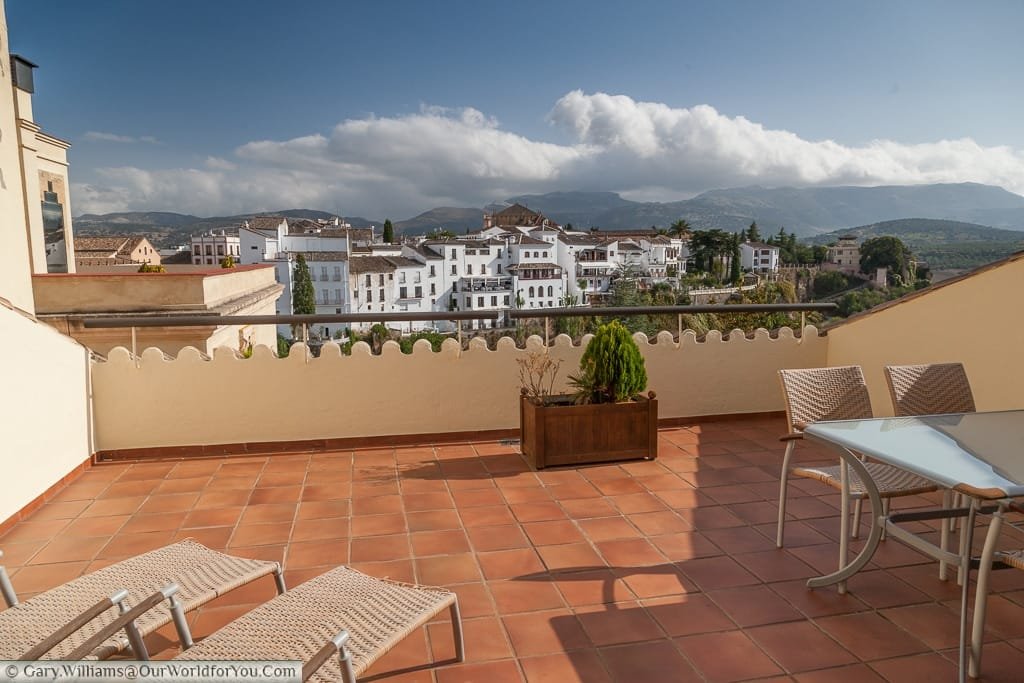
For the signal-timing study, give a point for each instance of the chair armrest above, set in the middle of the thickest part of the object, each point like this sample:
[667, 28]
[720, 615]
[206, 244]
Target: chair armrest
[791, 437]
[58, 636]
[125, 620]
[334, 646]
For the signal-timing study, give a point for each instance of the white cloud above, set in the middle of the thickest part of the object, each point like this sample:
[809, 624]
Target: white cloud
[398, 166]
[97, 136]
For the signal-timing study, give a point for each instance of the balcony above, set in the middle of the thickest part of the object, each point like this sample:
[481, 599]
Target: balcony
[485, 284]
[650, 571]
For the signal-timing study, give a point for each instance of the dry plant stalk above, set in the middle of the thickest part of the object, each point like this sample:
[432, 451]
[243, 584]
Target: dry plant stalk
[537, 374]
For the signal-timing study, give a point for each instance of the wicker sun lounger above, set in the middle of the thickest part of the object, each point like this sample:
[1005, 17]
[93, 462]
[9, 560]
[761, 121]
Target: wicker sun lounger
[201, 575]
[338, 624]
[343, 612]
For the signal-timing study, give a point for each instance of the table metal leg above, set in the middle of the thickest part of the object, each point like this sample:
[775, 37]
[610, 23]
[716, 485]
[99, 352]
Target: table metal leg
[845, 570]
[981, 590]
[967, 533]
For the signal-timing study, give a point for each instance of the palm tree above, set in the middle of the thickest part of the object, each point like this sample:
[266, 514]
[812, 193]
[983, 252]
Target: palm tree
[679, 228]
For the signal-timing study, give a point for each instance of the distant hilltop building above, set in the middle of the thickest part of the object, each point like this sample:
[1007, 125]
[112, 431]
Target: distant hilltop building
[844, 255]
[517, 215]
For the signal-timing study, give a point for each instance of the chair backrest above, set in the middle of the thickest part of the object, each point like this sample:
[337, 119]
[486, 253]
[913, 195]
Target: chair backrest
[815, 394]
[934, 389]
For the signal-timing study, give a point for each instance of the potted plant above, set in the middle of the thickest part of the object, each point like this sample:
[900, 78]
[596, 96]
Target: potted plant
[607, 419]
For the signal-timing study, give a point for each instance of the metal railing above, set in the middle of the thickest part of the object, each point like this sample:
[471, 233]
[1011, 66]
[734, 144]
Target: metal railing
[206, 320]
[678, 311]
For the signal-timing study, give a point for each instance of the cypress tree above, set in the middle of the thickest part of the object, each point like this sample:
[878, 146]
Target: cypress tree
[303, 295]
[389, 232]
[735, 272]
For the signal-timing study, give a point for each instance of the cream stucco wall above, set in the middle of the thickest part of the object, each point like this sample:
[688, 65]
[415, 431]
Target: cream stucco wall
[975, 321]
[15, 263]
[44, 408]
[190, 401]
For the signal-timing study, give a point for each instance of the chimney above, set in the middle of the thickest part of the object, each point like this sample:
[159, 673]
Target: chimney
[21, 73]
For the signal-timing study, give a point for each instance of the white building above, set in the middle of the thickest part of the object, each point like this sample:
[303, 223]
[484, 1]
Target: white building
[212, 246]
[759, 257]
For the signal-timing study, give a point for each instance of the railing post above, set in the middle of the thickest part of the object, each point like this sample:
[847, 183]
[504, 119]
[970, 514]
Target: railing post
[546, 340]
[680, 325]
[135, 350]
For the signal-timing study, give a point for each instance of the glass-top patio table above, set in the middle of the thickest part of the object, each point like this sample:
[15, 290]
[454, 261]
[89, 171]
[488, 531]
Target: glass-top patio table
[978, 454]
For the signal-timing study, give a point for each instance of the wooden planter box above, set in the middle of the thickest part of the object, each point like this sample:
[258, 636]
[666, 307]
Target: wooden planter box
[567, 434]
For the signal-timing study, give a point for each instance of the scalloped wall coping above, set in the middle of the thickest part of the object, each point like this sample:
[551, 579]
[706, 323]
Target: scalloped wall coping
[189, 400]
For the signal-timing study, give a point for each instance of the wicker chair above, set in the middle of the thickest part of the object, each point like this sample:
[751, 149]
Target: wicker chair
[936, 389]
[338, 624]
[200, 575]
[838, 393]
[932, 389]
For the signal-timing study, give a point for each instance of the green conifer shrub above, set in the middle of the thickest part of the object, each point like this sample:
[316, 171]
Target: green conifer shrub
[612, 368]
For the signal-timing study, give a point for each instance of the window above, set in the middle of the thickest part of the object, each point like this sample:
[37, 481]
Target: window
[209, 250]
[209, 261]
[453, 254]
[337, 297]
[403, 293]
[323, 296]
[454, 272]
[220, 250]
[494, 300]
[499, 253]
[401, 278]
[369, 296]
[391, 276]
[323, 273]
[433, 289]
[480, 301]
[369, 282]
[198, 251]
[531, 291]
[355, 294]
[536, 254]
[550, 291]
[419, 292]
[469, 269]
[433, 273]
[381, 279]
[469, 302]
[499, 269]
[337, 273]
[483, 270]
[252, 247]
[380, 295]
[506, 299]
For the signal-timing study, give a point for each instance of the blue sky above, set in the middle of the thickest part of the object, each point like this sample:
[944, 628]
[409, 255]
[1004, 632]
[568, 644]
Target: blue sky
[391, 108]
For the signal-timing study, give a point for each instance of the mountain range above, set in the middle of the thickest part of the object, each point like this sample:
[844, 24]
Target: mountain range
[805, 211]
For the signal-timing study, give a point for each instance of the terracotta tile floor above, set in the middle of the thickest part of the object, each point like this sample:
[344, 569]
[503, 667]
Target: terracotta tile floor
[646, 571]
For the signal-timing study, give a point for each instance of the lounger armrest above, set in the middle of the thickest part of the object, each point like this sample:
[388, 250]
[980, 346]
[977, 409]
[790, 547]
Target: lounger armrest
[58, 636]
[793, 436]
[6, 589]
[334, 646]
[126, 621]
